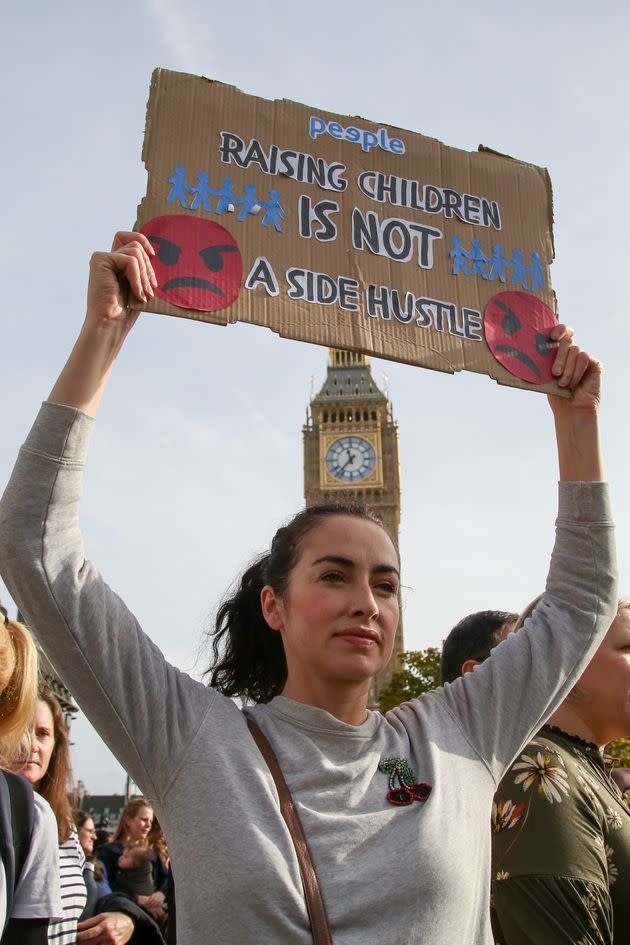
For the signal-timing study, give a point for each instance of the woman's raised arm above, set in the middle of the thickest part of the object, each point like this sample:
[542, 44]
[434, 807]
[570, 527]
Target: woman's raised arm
[532, 671]
[114, 277]
[576, 419]
[144, 708]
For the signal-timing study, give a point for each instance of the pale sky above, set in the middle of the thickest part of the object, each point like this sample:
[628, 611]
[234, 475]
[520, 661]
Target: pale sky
[197, 454]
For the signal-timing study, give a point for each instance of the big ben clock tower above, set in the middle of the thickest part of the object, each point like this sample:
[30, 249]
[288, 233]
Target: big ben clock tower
[351, 453]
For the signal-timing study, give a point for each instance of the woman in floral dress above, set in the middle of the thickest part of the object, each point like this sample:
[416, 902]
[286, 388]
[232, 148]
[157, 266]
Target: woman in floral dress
[561, 826]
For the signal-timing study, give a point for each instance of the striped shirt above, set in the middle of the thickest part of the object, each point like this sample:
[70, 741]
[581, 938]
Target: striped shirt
[73, 892]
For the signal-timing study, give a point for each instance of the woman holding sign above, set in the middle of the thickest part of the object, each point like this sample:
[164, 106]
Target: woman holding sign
[401, 852]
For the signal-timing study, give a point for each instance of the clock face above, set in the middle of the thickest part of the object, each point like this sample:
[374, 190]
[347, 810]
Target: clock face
[350, 458]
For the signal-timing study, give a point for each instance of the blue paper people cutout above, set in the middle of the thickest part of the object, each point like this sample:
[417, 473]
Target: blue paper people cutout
[498, 265]
[201, 192]
[459, 256]
[248, 202]
[274, 211]
[478, 258]
[227, 198]
[518, 270]
[498, 262]
[538, 280]
[180, 188]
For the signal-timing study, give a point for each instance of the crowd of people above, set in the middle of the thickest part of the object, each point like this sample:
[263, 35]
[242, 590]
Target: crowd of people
[59, 885]
[299, 814]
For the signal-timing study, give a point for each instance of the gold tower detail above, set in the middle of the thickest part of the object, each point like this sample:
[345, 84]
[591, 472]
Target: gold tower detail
[351, 453]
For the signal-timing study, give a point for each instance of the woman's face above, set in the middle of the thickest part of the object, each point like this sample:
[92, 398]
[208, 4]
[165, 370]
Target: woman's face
[339, 615]
[42, 744]
[138, 827]
[602, 696]
[87, 836]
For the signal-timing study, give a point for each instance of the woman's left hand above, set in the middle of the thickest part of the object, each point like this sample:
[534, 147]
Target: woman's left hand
[576, 370]
[157, 899]
[108, 928]
[576, 418]
[155, 905]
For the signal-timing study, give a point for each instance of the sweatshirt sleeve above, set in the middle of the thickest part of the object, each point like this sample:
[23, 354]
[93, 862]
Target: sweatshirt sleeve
[506, 699]
[146, 710]
[37, 894]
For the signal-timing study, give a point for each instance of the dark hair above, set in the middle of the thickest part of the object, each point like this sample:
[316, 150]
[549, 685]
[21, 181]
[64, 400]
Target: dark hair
[55, 783]
[472, 639]
[80, 817]
[248, 657]
[103, 836]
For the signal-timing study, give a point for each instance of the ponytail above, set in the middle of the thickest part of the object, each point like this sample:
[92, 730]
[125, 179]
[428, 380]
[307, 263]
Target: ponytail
[248, 655]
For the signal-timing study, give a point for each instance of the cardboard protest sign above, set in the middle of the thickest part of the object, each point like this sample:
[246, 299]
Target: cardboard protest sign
[346, 233]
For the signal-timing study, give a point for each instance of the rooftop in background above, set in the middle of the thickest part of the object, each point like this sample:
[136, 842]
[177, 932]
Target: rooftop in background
[105, 809]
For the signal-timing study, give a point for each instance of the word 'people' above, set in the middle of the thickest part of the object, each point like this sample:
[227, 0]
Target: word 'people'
[198, 195]
[497, 265]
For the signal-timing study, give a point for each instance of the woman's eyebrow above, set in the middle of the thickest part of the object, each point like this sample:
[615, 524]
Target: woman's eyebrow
[335, 559]
[349, 563]
[386, 569]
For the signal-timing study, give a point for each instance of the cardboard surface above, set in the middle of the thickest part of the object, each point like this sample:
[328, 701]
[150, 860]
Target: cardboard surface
[343, 232]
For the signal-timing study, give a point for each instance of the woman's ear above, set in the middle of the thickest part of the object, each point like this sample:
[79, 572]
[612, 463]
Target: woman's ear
[469, 665]
[272, 607]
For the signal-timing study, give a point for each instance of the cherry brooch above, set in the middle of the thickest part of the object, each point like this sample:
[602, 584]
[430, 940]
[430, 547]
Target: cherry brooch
[403, 787]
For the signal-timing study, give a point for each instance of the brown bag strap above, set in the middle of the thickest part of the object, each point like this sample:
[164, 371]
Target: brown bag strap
[312, 891]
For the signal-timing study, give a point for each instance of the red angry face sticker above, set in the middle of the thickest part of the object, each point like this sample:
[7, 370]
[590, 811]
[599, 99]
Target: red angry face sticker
[517, 326]
[197, 263]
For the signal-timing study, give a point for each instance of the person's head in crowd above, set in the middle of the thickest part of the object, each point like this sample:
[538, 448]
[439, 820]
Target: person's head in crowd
[472, 639]
[84, 823]
[103, 836]
[85, 828]
[18, 687]
[598, 707]
[135, 823]
[252, 661]
[47, 763]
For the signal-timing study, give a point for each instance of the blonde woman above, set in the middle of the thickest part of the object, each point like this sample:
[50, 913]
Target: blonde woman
[133, 831]
[29, 891]
[18, 686]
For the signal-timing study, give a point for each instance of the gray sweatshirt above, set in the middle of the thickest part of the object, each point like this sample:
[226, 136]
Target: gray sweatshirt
[390, 875]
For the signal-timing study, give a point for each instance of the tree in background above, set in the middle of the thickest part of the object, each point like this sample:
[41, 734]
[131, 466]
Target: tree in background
[620, 749]
[419, 672]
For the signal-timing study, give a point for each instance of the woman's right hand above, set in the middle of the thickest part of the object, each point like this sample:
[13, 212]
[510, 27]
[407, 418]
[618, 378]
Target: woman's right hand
[115, 276]
[107, 928]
